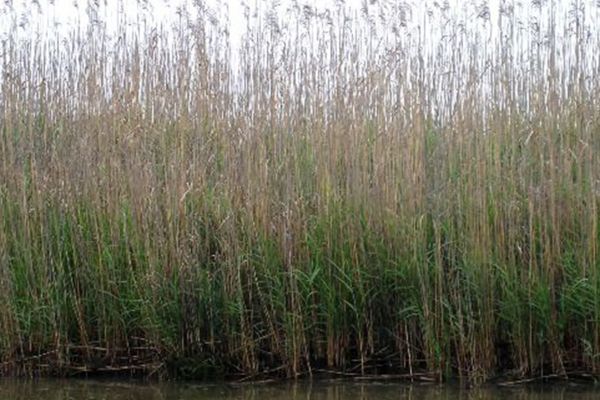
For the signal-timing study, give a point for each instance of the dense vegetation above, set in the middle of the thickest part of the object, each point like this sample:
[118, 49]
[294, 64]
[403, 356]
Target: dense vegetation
[343, 192]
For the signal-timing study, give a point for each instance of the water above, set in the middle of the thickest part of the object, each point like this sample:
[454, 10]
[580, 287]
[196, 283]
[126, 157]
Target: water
[325, 390]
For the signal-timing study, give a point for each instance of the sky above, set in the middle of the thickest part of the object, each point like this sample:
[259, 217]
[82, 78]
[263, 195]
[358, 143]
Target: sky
[58, 15]
[55, 16]
[51, 18]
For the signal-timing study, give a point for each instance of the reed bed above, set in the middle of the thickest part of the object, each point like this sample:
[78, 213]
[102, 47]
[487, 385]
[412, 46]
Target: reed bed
[342, 192]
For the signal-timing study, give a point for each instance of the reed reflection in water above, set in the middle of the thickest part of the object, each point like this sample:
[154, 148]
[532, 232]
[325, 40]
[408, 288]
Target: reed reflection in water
[327, 390]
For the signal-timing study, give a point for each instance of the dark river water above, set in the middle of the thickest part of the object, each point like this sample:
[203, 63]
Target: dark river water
[322, 390]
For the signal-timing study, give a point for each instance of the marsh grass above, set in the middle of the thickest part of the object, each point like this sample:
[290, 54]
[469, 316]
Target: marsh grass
[323, 203]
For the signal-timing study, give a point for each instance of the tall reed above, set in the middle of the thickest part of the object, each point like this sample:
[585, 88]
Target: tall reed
[343, 192]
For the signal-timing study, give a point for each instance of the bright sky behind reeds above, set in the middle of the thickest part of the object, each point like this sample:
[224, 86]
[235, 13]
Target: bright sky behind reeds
[422, 24]
[57, 16]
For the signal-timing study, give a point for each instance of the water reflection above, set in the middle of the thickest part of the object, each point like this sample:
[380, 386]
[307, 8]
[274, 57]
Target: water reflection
[330, 390]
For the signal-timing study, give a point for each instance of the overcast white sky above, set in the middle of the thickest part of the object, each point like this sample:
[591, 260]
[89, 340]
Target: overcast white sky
[45, 19]
[52, 16]
[57, 15]
[48, 18]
